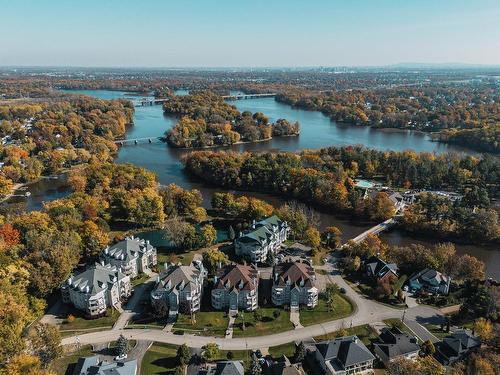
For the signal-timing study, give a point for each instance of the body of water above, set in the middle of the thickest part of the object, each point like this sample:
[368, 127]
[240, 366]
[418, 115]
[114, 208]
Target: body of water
[317, 131]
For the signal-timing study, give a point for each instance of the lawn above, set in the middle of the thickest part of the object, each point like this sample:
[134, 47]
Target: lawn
[142, 278]
[364, 332]
[208, 323]
[160, 359]
[395, 322]
[267, 325]
[436, 330]
[285, 349]
[321, 313]
[81, 324]
[66, 363]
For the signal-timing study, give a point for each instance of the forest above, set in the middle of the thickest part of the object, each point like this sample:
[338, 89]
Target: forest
[44, 137]
[467, 115]
[207, 120]
[325, 178]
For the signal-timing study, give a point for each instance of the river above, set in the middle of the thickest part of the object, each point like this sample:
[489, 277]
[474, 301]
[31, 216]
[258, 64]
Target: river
[317, 131]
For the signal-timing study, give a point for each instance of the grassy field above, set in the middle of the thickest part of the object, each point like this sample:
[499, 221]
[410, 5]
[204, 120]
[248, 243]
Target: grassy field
[395, 322]
[159, 359]
[364, 332]
[81, 324]
[265, 326]
[436, 330]
[321, 313]
[65, 364]
[208, 323]
[285, 349]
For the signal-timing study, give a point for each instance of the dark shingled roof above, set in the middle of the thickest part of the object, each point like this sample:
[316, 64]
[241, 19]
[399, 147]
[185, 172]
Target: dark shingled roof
[393, 342]
[347, 351]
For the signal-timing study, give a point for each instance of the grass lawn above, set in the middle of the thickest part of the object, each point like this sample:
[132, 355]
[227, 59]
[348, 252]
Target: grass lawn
[160, 359]
[436, 330]
[266, 326]
[285, 349]
[142, 278]
[238, 355]
[321, 313]
[82, 324]
[66, 363]
[208, 323]
[364, 332]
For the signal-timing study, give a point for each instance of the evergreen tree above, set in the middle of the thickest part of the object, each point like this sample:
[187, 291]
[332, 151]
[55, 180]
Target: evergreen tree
[183, 354]
[232, 235]
[122, 346]
[255, 367]
[300, 352]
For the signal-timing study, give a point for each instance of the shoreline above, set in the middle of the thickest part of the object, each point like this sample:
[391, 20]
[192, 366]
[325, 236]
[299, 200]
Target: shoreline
[233, 144]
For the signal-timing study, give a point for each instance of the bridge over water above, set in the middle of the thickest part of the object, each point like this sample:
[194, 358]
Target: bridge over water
[159, 101]
[135, 141]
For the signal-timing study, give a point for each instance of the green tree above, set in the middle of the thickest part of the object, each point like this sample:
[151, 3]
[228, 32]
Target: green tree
[255, 367]
[231, 233]
[183, 355]
[300, 352]
[210, 352]
[122, 346]
[213, 258]
[332, 237]
[209, 235]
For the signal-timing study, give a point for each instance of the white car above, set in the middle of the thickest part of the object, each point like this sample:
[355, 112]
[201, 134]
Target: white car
[120, 357]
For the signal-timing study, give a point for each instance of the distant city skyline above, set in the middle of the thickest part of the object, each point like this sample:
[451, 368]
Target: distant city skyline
[256, 33]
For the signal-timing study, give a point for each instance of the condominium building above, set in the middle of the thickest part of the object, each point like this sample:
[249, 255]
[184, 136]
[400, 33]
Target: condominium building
[294, 284]
[236, 288]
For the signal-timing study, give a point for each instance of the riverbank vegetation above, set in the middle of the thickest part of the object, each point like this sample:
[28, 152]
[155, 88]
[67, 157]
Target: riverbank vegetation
[467, 115]
[208, 121]
[325, 178]
[43, 138]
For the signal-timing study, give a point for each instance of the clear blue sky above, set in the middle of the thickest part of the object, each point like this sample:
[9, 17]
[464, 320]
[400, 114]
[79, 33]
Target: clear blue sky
[163, 33]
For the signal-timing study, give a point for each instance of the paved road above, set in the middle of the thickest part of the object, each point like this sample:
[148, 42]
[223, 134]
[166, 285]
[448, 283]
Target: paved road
[367, 311]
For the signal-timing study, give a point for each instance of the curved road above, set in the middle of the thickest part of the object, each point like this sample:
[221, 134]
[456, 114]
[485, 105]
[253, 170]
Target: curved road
[367, 311]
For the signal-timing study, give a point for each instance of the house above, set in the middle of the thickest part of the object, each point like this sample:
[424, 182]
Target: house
[236, 288]
[294, 285]
[456, 346]
[132, 255]
[96, 289]
[341, 356]
[377, 269]
[179, 287]
[93, 366]
[265, 236]
[393, 344]
[225, 368]
[282, 366]
[430, 281]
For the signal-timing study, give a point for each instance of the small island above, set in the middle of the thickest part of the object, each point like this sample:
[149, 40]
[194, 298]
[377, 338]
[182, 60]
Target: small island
[207, 121]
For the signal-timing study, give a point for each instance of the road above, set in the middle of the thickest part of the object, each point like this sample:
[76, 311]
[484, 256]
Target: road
[367, 311]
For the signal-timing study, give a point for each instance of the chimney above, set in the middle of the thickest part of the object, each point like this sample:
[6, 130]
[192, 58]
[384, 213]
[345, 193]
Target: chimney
[253, 224]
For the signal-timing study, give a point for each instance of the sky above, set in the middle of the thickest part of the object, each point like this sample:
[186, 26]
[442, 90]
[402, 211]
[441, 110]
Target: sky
[248, 33]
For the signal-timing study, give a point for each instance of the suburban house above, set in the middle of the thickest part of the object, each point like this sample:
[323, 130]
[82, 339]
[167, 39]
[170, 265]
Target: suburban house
[96, 289]
[236, 288]
[93, 366]
[179, 287]
[294, 285]
[393, 344]
[455, 346]
[430, 281]
[282, 366]
[224, 368]
[264, 236]
[132, 255]
[377, 269]
[341, 356]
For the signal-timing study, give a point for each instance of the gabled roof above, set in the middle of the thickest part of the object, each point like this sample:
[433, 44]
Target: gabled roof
[262, 230]
[92, 366]
[294, 273]
[380, 268]
[282, 366]
[95, 279]
[431, 276]
[129, 248]
[393, 342]
[178, 278]
[228, 368]
[346, 351]
[461, 341]
[236, 277]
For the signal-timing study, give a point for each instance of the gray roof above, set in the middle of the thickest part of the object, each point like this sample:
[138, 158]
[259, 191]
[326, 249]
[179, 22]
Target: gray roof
[129, 248]
[227, 368]
[345, 351]
[95, 279]
[178, 278]
[431, 276]
[92, 366]
[394, 343]
[379, 267]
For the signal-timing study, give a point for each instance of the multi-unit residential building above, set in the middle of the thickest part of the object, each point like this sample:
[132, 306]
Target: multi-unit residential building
[377, 269]
[94, 366]
[430, 281]
[393, 344]
[341, 356]
[132, 255]
[179, 288]
[264, 236]
[455, 346]
[236, 288]
[96, 289]
[294, 284]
